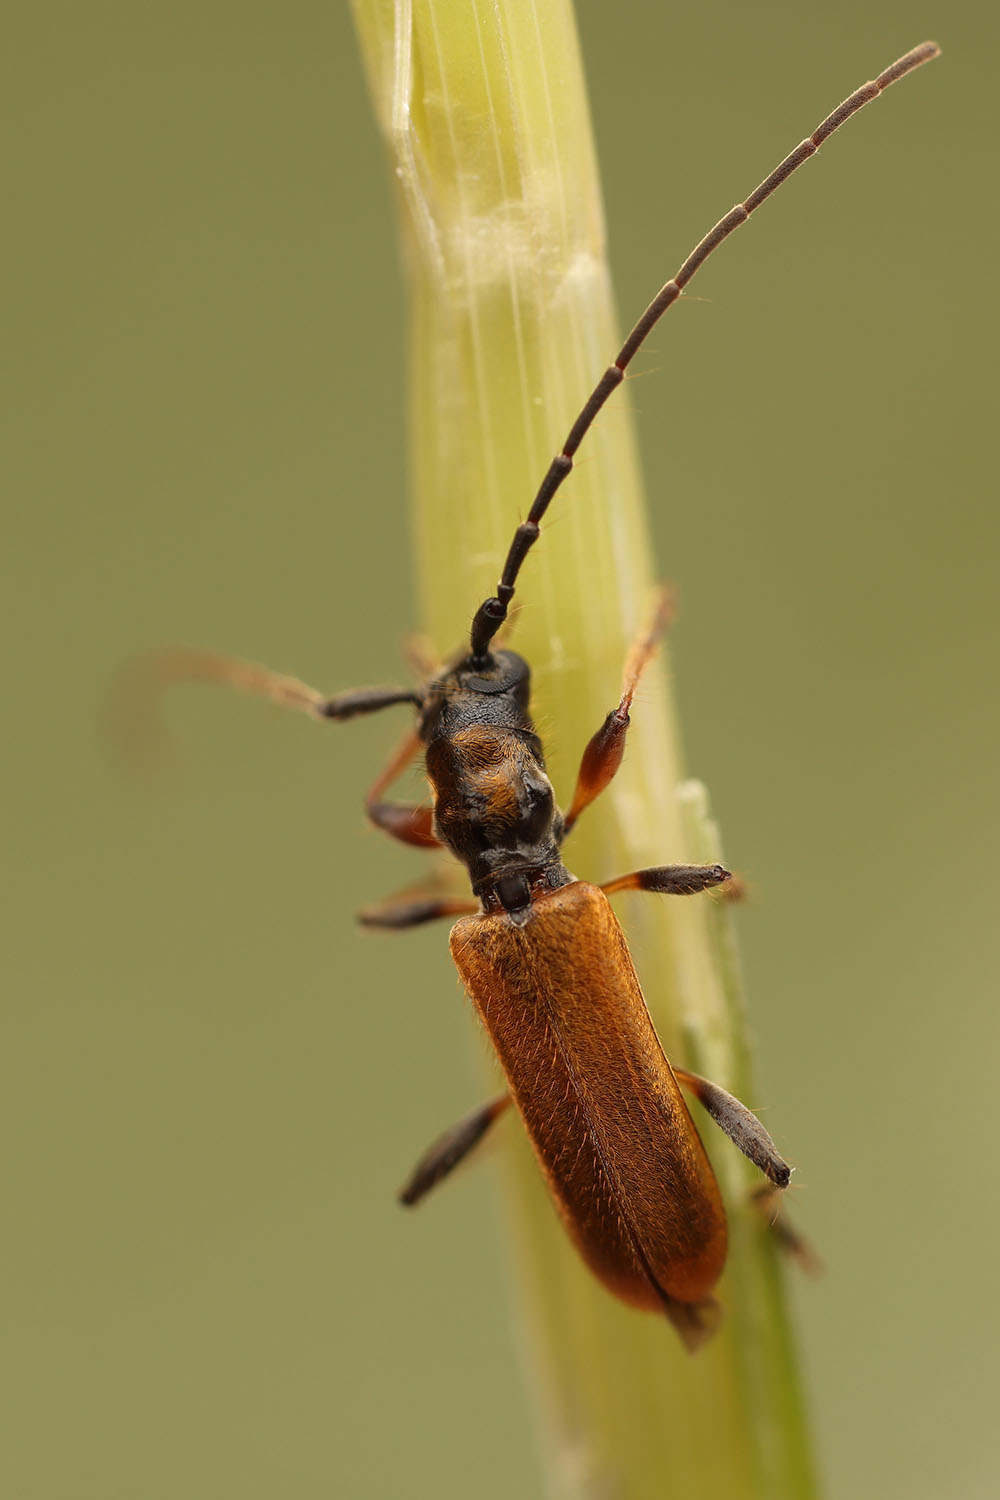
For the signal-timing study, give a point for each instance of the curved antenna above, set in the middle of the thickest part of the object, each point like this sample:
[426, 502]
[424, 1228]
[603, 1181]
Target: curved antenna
[492, 612]
[130, 717]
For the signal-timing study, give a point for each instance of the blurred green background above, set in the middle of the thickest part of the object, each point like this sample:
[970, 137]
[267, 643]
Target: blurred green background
[211, 1083]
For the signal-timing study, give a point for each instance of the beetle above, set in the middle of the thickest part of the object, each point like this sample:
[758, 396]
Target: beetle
[539, 951]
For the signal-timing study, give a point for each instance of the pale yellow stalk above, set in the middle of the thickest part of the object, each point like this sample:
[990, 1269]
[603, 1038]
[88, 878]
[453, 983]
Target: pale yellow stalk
[484, 112]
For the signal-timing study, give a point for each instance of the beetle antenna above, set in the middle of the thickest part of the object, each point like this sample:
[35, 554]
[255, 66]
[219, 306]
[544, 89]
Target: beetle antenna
[492, 612]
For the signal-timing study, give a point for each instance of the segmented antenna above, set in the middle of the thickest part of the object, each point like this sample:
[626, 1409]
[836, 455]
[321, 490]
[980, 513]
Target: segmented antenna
[493, 612]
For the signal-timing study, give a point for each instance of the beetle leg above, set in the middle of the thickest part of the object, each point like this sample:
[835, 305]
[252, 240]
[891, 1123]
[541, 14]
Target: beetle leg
[449, 1149]
[670, 880]
[604, 753]
[410, 824]
[408, 910]
[767, 1202]
[740, 1124]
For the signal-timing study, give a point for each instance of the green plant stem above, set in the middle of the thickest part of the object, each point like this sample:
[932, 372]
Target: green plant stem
[483, 108]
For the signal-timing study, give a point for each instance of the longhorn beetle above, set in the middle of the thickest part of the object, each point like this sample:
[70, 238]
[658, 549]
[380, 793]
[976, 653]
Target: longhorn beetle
[539, 951]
